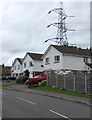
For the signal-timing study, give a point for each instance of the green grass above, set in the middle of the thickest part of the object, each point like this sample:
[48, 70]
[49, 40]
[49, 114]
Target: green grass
[47, 88]
[4, 85]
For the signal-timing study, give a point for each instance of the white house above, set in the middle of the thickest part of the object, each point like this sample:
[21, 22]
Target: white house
[65, 58]
[16, 68]
[33, 63]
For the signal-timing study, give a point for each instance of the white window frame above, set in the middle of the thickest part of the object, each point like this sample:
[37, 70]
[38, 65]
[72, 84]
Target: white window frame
[25, 64]
[30, 64]
[18, 67]
[47, 60]
[15, 67]
[56, 59]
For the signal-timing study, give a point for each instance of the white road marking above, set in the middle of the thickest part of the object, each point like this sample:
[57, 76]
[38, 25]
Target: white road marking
[26, 100]
[59, 114]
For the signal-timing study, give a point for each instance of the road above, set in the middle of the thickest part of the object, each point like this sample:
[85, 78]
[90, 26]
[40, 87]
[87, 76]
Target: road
[0, 102]
[16, 104]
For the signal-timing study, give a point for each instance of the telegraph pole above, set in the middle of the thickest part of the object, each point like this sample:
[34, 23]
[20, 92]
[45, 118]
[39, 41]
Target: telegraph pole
[61, 38]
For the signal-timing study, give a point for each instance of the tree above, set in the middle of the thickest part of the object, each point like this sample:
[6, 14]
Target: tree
[26, 73]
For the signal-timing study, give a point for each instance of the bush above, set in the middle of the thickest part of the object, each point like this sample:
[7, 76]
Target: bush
[17, 80]
[21, 79]
[43, 83]
[25, 78]
[32, 85]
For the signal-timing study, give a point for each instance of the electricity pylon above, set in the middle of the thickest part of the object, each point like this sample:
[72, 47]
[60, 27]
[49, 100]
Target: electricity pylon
[61, 38]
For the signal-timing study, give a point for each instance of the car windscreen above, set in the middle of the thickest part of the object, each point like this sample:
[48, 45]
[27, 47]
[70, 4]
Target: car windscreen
[37, 76]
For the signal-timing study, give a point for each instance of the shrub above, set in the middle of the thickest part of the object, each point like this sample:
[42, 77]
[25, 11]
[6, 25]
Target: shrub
[25, 78]
[21, 79]
[17, 80]
[32, 85]
[43, 83]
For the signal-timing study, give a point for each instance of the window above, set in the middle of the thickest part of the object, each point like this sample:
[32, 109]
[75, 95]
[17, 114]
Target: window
[30, 64]
[56, 59]
[24, 64]
[15, 68]
[18, 67]
[85, 59]
[47, 61]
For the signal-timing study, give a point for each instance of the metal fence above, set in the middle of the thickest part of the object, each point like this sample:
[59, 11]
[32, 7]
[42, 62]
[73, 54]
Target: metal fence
[74, 81]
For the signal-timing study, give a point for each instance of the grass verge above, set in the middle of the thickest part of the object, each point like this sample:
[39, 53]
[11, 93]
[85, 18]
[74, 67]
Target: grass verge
[47, 88]
[4, 85]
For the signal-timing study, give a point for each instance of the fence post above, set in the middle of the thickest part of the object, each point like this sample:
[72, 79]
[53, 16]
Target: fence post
[74, 82]
[85, 82]
[47, 78]
[64, 82]
[56, 80]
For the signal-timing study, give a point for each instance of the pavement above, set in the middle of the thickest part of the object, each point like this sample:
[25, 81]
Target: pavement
[24, 88]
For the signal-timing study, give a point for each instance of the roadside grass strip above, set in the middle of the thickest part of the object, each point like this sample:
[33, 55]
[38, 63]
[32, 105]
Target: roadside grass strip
[4, 85]
[26, 100]
[51, 89]
[60, 114]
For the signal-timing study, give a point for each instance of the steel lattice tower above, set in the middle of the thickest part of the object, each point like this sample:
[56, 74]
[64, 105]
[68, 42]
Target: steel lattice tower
[61, 38]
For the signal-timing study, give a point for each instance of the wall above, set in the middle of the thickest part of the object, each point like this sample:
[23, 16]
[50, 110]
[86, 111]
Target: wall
[53, 52]
[74, 62]
[74, 81]
[31, 69]
[36, 65]
[67, 61]
[16, 71]
[0, 70]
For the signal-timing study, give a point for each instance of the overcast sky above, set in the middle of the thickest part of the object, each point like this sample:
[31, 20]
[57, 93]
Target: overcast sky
[23, 27]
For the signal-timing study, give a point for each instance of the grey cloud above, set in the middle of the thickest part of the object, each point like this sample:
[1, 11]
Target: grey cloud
[24, 26]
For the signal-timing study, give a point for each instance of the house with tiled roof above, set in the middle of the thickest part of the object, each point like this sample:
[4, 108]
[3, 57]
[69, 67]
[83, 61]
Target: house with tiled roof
[16, 68]
[66, 58]
[33, 63]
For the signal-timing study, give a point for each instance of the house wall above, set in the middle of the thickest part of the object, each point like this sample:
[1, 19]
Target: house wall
[74, 62]
[37, 65]
[53, 66]
[67, 61]
[35, 68]
[15, 70]
[0, 70]
[31, 69]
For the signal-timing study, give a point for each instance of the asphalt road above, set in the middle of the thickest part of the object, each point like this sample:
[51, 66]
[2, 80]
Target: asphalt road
[0, 103]
[16, 104]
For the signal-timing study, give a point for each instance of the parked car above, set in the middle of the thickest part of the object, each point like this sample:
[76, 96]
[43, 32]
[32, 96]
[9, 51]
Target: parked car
[10, 78]
[3, 77]
[36, 80]
[21, 79]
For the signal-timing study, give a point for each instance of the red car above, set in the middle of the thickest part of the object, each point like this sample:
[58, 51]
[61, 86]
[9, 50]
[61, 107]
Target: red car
[36, 80]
